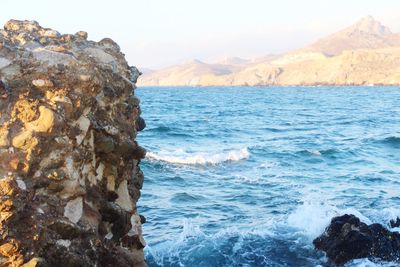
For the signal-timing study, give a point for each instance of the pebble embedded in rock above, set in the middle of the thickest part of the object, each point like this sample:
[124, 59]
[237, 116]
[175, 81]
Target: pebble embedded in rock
[42, 83]
[50, 33]
[3, 90]
[82, 34]
[73, 210]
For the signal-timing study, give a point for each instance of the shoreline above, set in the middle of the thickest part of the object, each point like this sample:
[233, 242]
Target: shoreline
[269, 86]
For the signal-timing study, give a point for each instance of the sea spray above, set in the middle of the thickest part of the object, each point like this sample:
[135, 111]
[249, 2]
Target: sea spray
[313, 217]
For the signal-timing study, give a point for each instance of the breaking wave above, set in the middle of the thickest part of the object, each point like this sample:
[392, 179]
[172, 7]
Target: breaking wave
[313, 217]
[200, 158]
[228, 247]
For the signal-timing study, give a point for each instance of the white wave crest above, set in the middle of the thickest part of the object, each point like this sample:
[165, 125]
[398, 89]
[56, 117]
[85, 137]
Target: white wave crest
[313, 217]
[368, 263]
[200, 158]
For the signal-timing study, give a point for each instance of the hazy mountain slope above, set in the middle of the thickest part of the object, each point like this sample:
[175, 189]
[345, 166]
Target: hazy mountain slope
[364, 53]
[235, 61]
[146, 70]
[190, 73]
[366, 33]
[358, 67]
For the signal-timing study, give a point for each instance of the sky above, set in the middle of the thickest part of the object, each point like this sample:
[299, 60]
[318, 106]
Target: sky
[158, 33]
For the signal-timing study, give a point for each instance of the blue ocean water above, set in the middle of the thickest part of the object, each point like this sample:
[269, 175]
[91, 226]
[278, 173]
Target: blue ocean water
[249, 176]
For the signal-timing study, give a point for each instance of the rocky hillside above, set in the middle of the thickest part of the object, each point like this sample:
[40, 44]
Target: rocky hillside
[190, 73]
[69, 162]
[363, 54]
[366, 33]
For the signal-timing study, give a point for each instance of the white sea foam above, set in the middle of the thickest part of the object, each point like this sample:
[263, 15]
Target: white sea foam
[268, 165]
[368, 263]
[247, 179]
[170, 249]
[388, 214]
[201, 158]
[315, 152]
[384, 216]
[313, 217]
[194, 239]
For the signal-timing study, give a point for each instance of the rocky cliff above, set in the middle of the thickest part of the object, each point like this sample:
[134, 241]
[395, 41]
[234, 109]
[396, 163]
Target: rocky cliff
[69, 162]
[362, 54]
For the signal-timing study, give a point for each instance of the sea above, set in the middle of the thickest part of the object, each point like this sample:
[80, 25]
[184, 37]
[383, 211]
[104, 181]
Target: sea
[249, 176]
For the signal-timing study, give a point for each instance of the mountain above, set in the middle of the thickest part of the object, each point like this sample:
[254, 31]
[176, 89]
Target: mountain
[366, 33]
[234, 61]
[364, 53]
[146, 70]
[189, 73]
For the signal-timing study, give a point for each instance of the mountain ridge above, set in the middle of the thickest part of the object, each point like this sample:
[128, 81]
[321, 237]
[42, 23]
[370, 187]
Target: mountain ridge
[364, 53]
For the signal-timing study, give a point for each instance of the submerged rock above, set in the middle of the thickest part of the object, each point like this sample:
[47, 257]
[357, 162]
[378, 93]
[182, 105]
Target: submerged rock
[69, 162]
[141, 124]
[395, 223]
[347, 238]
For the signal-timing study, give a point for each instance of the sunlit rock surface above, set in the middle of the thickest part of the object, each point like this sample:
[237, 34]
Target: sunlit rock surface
[69, 162]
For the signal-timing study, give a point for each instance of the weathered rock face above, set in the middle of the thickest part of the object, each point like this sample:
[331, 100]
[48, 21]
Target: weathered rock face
[347, 238]
[69, 162]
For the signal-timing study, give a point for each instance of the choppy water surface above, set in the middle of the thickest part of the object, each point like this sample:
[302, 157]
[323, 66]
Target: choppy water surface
[250, 176]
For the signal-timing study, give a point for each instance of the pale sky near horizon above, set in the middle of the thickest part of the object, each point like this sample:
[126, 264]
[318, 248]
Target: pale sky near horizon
[158, 33]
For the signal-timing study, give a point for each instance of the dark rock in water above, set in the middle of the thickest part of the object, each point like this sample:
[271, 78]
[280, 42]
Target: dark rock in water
[142, 219]
[395, 223]
[140, 124]
[347, 238]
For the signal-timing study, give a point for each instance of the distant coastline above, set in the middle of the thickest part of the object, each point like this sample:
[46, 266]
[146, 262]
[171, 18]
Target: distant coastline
[271, 86]
[364, 54]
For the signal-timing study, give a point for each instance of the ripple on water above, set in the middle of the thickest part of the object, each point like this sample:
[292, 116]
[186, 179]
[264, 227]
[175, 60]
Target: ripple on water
[327, 153]
[186, 198]
[393, 141]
